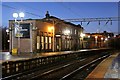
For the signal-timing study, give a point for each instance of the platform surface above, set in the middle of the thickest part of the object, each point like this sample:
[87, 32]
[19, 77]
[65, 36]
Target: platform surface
[108, 69]
[6, 56]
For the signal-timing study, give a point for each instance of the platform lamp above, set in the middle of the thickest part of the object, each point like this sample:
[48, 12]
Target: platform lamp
[16, 15]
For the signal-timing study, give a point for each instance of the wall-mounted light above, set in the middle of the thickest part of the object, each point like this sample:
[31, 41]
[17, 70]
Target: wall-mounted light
[50, 28]
[96, 37]
[34, 28]
[89, 36]
[101, 38]
[82, 35]
[108, 36]
[7, 30]
[106, 39]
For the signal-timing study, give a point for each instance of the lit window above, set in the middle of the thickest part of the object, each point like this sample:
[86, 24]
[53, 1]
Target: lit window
[46, 43]
[75, 31]
[68, 43]
[65, 43]
[71, 31]
[42, 39]
[50, 46]
[46, 40]
[49, 39]
[42, 42]
[38, 42]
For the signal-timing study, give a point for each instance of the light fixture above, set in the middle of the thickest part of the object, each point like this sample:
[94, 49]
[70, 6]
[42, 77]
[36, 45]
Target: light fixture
[96, 37]
[66, 32]
[50, 28]
[89, 36]
[106, 39]
[15, 15]
[101, 38]
[7, 30]
[82, 35]
[21, 14]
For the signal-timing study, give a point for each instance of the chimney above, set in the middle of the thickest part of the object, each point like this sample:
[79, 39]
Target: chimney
[47, 14]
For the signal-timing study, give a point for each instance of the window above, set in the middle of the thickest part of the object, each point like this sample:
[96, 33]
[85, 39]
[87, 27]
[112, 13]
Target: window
[75, 31]
[71, 31]
[42, 42]
[49, 39]
[50, 47]
[65, 43]
[68, 43]
[46, 43]
[38, 42]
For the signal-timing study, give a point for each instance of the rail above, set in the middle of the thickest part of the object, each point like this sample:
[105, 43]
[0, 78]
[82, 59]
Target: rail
[73, 73]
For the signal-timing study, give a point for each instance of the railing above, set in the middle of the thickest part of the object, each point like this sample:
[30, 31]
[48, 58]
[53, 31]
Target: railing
[10, 68]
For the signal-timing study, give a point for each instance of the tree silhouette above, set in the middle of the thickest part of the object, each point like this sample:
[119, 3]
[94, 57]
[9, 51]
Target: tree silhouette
[114, 43]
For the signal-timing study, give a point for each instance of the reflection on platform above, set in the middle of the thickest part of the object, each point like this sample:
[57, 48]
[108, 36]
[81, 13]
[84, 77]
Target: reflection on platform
[114, 69]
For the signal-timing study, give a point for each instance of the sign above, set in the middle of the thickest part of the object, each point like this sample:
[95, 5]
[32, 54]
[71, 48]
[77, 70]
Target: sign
[22, 30]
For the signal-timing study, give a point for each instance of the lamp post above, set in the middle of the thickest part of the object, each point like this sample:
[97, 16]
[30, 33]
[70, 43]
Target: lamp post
[16, 15]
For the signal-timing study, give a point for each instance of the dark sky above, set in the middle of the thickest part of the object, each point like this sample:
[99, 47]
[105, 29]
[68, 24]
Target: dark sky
[65, 10]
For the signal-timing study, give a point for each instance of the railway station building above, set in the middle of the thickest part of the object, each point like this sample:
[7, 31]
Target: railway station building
[47, 34]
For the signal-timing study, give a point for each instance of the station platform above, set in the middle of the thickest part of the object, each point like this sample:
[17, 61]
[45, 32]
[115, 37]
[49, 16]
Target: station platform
[6, 56]
[108, 69]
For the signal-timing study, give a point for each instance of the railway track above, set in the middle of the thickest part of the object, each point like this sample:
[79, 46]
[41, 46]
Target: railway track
[52, 68]
[82, 72]
[71, 70]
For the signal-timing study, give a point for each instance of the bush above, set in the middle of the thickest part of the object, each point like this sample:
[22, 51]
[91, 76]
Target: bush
[114, 43]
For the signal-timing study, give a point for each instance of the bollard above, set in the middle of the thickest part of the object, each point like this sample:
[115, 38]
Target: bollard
[14, 51]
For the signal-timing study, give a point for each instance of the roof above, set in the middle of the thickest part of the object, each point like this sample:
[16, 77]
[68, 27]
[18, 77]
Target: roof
[69, 23]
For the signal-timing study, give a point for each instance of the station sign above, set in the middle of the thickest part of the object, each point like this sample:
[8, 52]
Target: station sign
[22, 30]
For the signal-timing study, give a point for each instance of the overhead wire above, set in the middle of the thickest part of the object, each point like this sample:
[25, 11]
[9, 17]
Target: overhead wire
[7, 6]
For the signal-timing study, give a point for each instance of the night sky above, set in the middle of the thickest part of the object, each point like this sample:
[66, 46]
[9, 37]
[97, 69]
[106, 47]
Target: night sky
[65, 10]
